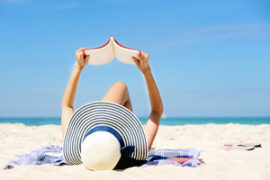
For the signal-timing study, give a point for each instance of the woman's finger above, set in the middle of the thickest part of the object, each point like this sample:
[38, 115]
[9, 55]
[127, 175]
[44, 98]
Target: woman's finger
[142, 55]
[139, 57]
[79, 50]
[81, 56]
[133, 57]
[137, 62]
[82, 49]
[83, 52]
[145, 56]
[87, 58]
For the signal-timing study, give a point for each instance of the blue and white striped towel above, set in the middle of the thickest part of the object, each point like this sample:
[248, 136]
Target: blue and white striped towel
[53, 155]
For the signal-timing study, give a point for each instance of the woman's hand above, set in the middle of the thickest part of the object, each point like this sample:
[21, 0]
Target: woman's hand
[82, 58]
[141, 60]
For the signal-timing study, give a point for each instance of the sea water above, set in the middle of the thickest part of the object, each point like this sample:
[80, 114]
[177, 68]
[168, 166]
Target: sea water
[170, 121]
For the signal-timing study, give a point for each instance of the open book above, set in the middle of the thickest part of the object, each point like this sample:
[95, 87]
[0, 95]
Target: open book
[106, 53]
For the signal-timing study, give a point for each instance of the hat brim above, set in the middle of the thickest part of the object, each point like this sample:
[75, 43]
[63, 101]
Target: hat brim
[109, 114]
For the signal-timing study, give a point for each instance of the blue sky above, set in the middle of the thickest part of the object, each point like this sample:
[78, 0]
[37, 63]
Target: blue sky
[209, 58]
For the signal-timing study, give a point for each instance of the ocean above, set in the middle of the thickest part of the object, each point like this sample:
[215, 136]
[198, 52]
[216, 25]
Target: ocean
[170, 121]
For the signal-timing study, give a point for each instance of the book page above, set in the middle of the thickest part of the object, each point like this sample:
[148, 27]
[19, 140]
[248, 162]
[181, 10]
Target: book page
[101, 55]
[123, 53]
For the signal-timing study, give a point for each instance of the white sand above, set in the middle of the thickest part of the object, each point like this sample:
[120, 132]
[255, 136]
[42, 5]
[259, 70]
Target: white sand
[19, 139]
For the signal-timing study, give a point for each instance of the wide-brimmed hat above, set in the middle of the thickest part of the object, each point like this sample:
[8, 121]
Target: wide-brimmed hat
[100, 133]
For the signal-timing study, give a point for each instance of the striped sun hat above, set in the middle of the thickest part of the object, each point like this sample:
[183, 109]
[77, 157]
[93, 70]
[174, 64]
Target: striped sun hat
[105, 117]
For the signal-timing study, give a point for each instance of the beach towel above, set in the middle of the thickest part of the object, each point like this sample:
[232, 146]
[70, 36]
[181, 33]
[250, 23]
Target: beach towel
[52, 154]
[168, 157]
[44, 155]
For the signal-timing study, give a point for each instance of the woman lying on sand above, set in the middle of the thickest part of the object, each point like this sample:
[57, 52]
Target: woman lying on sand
[106, 134]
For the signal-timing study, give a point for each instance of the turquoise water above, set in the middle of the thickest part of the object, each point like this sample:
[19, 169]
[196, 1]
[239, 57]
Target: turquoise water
[171, 121]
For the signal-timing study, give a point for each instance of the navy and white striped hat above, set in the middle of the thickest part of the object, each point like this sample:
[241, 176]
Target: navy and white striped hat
[104, 116]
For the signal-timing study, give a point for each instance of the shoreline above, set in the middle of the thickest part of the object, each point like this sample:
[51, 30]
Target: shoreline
[170, 121]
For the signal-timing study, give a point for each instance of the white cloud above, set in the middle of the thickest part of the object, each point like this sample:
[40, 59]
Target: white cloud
[219, 32]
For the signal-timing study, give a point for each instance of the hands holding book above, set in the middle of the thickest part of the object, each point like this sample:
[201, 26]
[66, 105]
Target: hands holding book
[141, 60]
[82, 59]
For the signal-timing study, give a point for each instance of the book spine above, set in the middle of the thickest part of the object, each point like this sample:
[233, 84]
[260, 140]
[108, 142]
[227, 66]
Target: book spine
[113, 41]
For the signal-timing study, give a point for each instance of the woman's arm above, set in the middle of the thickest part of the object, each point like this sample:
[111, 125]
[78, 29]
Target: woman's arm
[152, 124]
[69, 95]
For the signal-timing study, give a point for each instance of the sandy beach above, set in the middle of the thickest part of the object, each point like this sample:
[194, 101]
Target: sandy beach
[219, 164]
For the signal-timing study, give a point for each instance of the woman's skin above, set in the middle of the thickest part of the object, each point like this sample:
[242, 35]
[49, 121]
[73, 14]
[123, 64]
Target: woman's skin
[118, 93]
